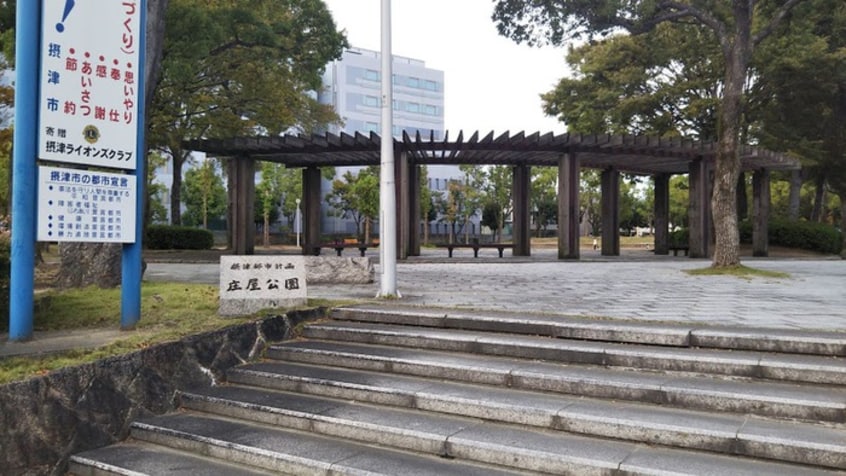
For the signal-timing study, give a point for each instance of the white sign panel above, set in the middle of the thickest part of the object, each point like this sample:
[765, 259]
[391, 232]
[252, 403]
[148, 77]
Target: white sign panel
[85, 206]
[251, 283]
[89, 90]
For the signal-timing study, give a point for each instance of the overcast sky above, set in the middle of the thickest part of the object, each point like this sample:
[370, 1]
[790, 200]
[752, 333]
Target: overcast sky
[491, 82]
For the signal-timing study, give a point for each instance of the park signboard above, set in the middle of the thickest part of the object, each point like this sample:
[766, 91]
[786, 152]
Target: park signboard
[85, 206]
[89, 94]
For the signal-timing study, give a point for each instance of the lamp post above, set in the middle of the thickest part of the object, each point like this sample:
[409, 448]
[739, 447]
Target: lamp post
[298, 223]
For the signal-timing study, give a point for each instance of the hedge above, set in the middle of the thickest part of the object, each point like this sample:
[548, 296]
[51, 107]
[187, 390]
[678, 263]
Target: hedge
[804, 235]
[166, 237]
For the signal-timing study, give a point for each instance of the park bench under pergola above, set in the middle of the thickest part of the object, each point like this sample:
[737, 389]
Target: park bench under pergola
[659, 158]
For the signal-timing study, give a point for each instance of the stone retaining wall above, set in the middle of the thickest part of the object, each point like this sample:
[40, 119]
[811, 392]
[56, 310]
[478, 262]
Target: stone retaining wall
[46, 419]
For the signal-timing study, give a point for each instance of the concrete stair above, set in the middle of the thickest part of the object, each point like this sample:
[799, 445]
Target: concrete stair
[392, 390]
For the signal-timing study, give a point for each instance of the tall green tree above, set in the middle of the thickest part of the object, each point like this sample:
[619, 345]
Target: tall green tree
[803, 96]
[427, 204]
[738, 26]
[500, 194]
[205, 194]
[277, 194]
[475, 180]
[240, 68]
[356, 196]
[544, 199]
[665, 82]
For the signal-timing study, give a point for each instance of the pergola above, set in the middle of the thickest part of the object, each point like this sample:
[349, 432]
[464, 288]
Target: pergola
[659, 158]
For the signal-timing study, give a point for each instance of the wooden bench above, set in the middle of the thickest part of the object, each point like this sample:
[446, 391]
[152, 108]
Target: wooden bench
[340, 247]
[476, 247]
[676, 248]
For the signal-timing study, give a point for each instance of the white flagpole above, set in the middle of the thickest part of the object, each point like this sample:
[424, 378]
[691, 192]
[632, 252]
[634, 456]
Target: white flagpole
[387, 183]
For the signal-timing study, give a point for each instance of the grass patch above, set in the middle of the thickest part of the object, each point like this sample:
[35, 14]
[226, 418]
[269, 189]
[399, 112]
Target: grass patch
[739, 271]
[169, 311]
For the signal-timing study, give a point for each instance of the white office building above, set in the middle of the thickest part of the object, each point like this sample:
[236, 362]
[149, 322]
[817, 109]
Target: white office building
[353, 86]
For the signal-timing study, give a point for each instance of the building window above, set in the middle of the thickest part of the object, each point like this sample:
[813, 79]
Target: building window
[430, 85]
[371, 127]
[371, 75]
[371, 101]
[412, 107]
[413, 83]
[430, 110]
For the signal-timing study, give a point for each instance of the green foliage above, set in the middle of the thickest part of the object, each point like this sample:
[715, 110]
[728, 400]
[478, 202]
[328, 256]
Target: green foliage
[804, 235]
[491, 215]
[167, 237]
[232, 68]
[544, 201]
[664, 82]
[5, 250]
[205, 195]
[357, 197]
[680, 237]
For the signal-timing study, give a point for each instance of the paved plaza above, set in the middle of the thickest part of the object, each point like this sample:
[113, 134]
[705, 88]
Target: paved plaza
[637, 285]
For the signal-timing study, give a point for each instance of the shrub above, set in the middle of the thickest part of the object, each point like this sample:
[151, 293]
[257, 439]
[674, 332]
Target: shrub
[166, 237]
[680, 237]
[5, 247]
[804, 235]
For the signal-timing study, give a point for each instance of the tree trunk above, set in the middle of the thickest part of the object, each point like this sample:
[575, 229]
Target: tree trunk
[177, 160]
[89, 264]
[819, 199]
[266, 231]
[737, 50]
[795, 195]
[742, 198]
[843, 222]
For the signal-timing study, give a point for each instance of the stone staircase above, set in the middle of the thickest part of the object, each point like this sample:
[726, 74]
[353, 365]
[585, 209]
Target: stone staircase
[393, 390]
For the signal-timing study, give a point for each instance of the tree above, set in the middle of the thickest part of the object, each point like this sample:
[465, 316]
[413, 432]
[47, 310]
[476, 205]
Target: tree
[664, 82]
[738, 27]
[803, 84]
[155, 210]
[357, 197]
[233, 68]
[277, 194]
[499, 193]
[205, 194]
[475, 179]
[590, 200]
[544, 201]
[452, 206]
[7, 99]
[427, 204]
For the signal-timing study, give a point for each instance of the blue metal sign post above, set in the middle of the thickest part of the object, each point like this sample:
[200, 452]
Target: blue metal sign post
[22, 284]
[130, 294]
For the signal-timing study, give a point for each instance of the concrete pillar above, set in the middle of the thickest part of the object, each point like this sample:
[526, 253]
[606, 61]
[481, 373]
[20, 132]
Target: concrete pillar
[242, 186]
[661, 212]
[568, 206]
[760, 212]
[311, 209]
[403, 181]
[414, 211]
[699, 209]
[522, 231]
[610, 212]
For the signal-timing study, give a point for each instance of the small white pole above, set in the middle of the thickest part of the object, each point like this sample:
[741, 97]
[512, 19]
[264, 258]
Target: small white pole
[298, 222]
[387, 183]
